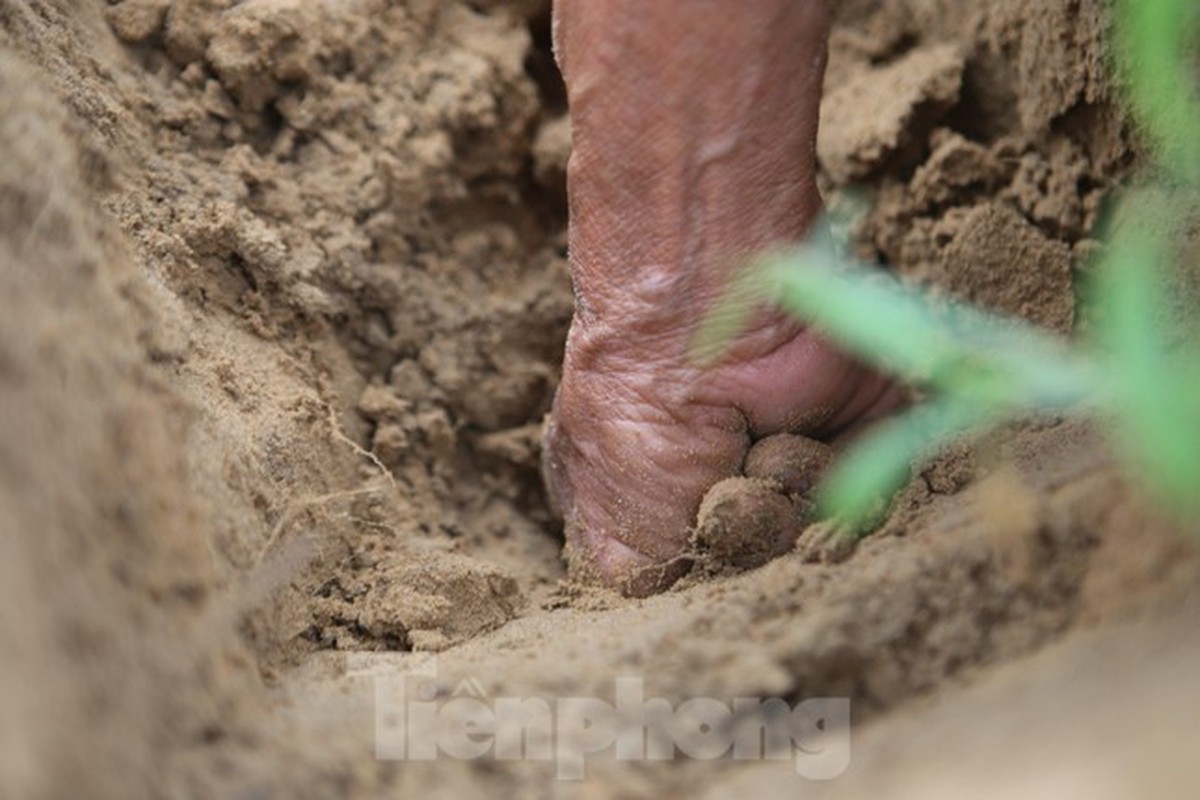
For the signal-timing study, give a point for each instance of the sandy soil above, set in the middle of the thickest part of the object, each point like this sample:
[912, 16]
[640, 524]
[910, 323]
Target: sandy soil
[282, 299]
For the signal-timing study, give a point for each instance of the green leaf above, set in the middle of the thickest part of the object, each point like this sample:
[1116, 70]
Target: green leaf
[960, 351]
[1157, 411]
[1153, 42]
[861, 485]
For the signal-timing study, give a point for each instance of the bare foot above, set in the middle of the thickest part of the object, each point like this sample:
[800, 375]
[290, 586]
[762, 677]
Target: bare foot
[693, 146]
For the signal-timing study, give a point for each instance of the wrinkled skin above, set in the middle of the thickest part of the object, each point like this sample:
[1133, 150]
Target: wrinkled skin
[693, 146]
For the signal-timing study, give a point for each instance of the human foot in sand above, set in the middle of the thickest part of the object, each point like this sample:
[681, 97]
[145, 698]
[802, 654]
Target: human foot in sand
[693, 147]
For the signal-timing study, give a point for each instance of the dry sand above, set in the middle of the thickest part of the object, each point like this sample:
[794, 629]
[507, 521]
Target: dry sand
[282, 300]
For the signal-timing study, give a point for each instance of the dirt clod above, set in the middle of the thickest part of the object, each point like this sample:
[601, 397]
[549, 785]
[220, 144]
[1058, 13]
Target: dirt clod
[905, 99]
[1000, 261]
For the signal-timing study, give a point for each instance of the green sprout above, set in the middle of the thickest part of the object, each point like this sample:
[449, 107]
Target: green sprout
[1140, 371]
